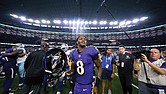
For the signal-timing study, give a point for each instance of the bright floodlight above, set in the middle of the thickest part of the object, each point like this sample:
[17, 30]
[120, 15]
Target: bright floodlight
[22, 18]
[65, 22]
[70, 22]
[78, 22]
[111, 23]
[90, 22]
[103, 22]
[122, 23]
[57, 21]
[30, 20]
[14, 15]
[82, 22]
[94, 22]
[48, 22]
[37, 21]
[73, 22]
[115, 22]
[86, 22]
[128, 22]
[143, 18]
[135, 20]
[43, 21]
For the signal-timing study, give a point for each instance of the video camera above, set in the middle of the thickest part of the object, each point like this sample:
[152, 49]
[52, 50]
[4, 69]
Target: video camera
[138, 55]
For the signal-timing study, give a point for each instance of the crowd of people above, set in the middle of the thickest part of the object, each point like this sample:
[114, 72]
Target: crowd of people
[87, 68]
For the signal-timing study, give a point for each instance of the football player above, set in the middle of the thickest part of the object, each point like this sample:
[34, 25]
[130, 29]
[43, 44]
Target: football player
[9, 67]
[83, 60]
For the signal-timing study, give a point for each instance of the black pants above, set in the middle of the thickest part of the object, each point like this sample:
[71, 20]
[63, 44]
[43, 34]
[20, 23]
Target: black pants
[36, 89]
[126, 81]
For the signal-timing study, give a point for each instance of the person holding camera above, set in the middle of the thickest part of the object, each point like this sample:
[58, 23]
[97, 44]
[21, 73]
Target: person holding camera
[151, 73]
[124, 61]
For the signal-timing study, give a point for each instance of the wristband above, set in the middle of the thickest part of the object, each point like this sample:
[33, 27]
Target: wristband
[97, 82]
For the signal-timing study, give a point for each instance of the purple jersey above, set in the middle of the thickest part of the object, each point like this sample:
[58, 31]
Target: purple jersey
[10, 70]
[12, 60]
[84, 64]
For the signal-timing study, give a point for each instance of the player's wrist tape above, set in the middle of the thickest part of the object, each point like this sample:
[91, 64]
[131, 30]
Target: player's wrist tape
[135, 72]
[97, 82]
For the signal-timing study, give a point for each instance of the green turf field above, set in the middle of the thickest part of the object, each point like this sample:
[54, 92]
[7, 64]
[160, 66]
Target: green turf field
[116, 87]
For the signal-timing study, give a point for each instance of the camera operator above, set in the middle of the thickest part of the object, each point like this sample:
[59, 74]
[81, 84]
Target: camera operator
[164, 54]
[151, 73]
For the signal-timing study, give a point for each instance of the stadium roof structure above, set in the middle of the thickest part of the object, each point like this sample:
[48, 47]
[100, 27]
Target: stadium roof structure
[85, 9]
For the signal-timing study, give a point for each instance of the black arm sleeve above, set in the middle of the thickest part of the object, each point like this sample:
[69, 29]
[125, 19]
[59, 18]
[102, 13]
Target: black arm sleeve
[27, 62]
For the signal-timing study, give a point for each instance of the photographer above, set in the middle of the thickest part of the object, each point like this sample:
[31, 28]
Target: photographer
[151, 73]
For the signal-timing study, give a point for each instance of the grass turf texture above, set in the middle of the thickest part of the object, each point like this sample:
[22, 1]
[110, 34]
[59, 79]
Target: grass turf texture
[116, 87]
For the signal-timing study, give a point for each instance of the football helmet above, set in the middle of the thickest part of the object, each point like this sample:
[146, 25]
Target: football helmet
[64, 47]
[55, 62]
[20, 45]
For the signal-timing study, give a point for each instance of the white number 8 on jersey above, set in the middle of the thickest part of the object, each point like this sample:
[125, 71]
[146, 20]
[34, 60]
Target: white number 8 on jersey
[80, 67]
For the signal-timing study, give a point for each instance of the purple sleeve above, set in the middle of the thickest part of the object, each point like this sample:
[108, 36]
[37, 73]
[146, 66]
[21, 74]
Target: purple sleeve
[94, 52]
[9, 50]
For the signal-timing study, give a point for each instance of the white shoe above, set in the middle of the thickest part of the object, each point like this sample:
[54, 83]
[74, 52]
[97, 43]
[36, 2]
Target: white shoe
[70, 92]
[109, 91]
[58, 92]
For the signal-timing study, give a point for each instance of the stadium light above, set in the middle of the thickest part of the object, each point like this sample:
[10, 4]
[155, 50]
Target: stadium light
[23, 18]
[14, 15]
[86, 22]
[135, 20]
[122, 23]
[73, 22]
[81, 23]
[78, 22]
[37, 21]
[70, 22]
[90, 22]
[57, 21]
[103, 22]
[65, 22]
[115, 22]
[30, 20]
[143, 18]
[43, 21]
[94, 22]
[111, 23]
[128, 22]
[48, 22]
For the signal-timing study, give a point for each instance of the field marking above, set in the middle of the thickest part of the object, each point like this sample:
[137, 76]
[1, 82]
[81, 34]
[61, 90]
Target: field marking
[132, 83]
[31, 92]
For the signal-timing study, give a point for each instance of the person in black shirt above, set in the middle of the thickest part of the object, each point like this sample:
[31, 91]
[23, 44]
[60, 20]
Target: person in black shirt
[124, 62]
[34, 72]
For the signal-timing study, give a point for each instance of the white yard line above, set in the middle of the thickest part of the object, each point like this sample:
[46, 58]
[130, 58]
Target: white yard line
[31, 92]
